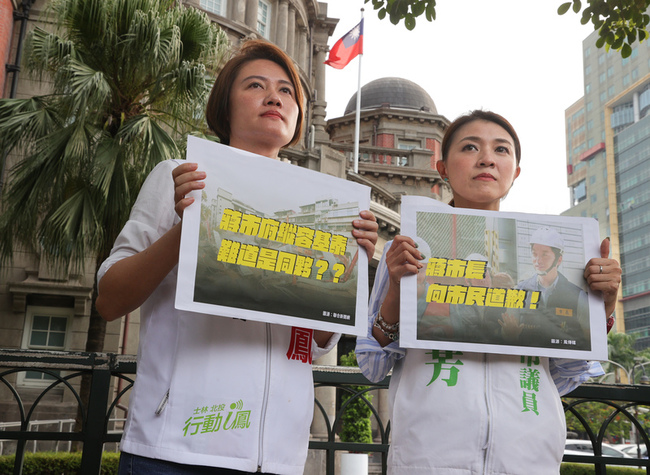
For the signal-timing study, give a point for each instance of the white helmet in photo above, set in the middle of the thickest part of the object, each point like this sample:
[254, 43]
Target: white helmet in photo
[547, 237]
[475, 256]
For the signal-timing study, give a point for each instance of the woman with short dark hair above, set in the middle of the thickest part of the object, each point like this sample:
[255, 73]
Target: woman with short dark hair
[213, 395]
[455, 412]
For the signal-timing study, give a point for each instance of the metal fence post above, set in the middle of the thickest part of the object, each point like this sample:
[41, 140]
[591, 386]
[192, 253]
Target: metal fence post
[95, 423]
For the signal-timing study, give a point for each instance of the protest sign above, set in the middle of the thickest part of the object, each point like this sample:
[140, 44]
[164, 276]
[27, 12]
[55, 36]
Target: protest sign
[270, 241]
[497, 282]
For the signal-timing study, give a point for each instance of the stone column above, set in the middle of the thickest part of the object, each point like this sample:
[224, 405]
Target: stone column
[239, 11]
[291, 32]
[382, 405]
[318, 118]
[251, 14]
[302, 47]
[327, 397]
[282, 24]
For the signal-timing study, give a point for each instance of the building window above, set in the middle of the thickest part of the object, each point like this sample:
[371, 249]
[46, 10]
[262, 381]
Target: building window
[626, 80]
[587, 88]
[594, 198]
[405, 144]
[610, 71]
[602, 77]
[588, 70]
[214, 6]
[587, 51]
[611, 91]
[592, 179]
[46, 328]
[622, 115]
[601, 59]
[263, 14]
[590, 106]
[590, 124]
[579, 192]
[603, 97]
[635, 74]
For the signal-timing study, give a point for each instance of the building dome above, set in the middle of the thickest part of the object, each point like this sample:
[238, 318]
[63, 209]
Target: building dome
[396, 93]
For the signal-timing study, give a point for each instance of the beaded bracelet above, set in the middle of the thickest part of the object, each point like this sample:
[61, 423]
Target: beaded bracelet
[393, 336]
[390, 331]
[384, 324]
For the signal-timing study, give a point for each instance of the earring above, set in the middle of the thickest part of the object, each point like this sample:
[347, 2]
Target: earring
[445, 179]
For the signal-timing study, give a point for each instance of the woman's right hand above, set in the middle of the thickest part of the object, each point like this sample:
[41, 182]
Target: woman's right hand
[186, 179]
[403, 258]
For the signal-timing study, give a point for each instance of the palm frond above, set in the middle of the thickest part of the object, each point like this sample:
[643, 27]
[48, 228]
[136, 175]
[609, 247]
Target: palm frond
[129, 82]
[22, 121]
[154, 143]
[87, 87]
[46, 52]
[73, 229]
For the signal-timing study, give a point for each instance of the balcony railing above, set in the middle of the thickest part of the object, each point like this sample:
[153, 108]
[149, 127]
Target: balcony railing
[111, 378]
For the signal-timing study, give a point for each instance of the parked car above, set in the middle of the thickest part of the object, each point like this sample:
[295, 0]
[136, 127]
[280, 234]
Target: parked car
[631, 450]
[584, 447]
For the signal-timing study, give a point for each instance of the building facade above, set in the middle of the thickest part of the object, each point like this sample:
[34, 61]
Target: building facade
[42, 308]
[401, 131]
[400, 135]
[608, 154]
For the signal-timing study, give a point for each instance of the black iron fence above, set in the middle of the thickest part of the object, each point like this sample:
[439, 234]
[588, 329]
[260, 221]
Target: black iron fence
[596, 412]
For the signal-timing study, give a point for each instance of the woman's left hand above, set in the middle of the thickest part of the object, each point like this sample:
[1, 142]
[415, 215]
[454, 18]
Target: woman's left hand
[365, 231]
[604, 275]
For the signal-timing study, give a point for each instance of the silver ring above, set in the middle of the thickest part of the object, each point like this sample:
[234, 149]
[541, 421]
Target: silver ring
[601, 269]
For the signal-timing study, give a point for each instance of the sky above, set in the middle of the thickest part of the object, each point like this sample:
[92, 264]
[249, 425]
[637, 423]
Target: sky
[517, 58]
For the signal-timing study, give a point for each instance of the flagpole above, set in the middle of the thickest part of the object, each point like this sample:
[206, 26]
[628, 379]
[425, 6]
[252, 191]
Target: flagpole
[357, 119]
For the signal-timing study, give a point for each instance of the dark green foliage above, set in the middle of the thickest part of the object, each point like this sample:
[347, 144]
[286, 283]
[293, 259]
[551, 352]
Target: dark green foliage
[60, 463]
[356, 418]
[597, 413]
[586, 469]
[129, 81]
[619, 22]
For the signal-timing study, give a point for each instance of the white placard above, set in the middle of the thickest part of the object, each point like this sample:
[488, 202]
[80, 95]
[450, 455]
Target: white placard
[272, 242]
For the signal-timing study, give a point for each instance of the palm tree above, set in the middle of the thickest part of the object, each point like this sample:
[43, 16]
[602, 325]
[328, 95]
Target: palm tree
[129, 81]
[624, 356]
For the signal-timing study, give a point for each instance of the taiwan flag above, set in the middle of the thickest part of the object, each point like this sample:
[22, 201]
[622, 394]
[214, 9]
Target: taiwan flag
[347, 48]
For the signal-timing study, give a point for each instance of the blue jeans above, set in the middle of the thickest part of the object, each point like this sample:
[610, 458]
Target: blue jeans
[136, 465]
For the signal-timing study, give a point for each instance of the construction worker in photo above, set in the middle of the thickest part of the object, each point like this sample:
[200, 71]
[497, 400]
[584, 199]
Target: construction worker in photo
[561, 318]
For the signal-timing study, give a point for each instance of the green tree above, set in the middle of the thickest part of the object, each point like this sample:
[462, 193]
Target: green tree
[596, 413]
[620, 349]
[619, 22]
[356, 425]
[129, 81]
